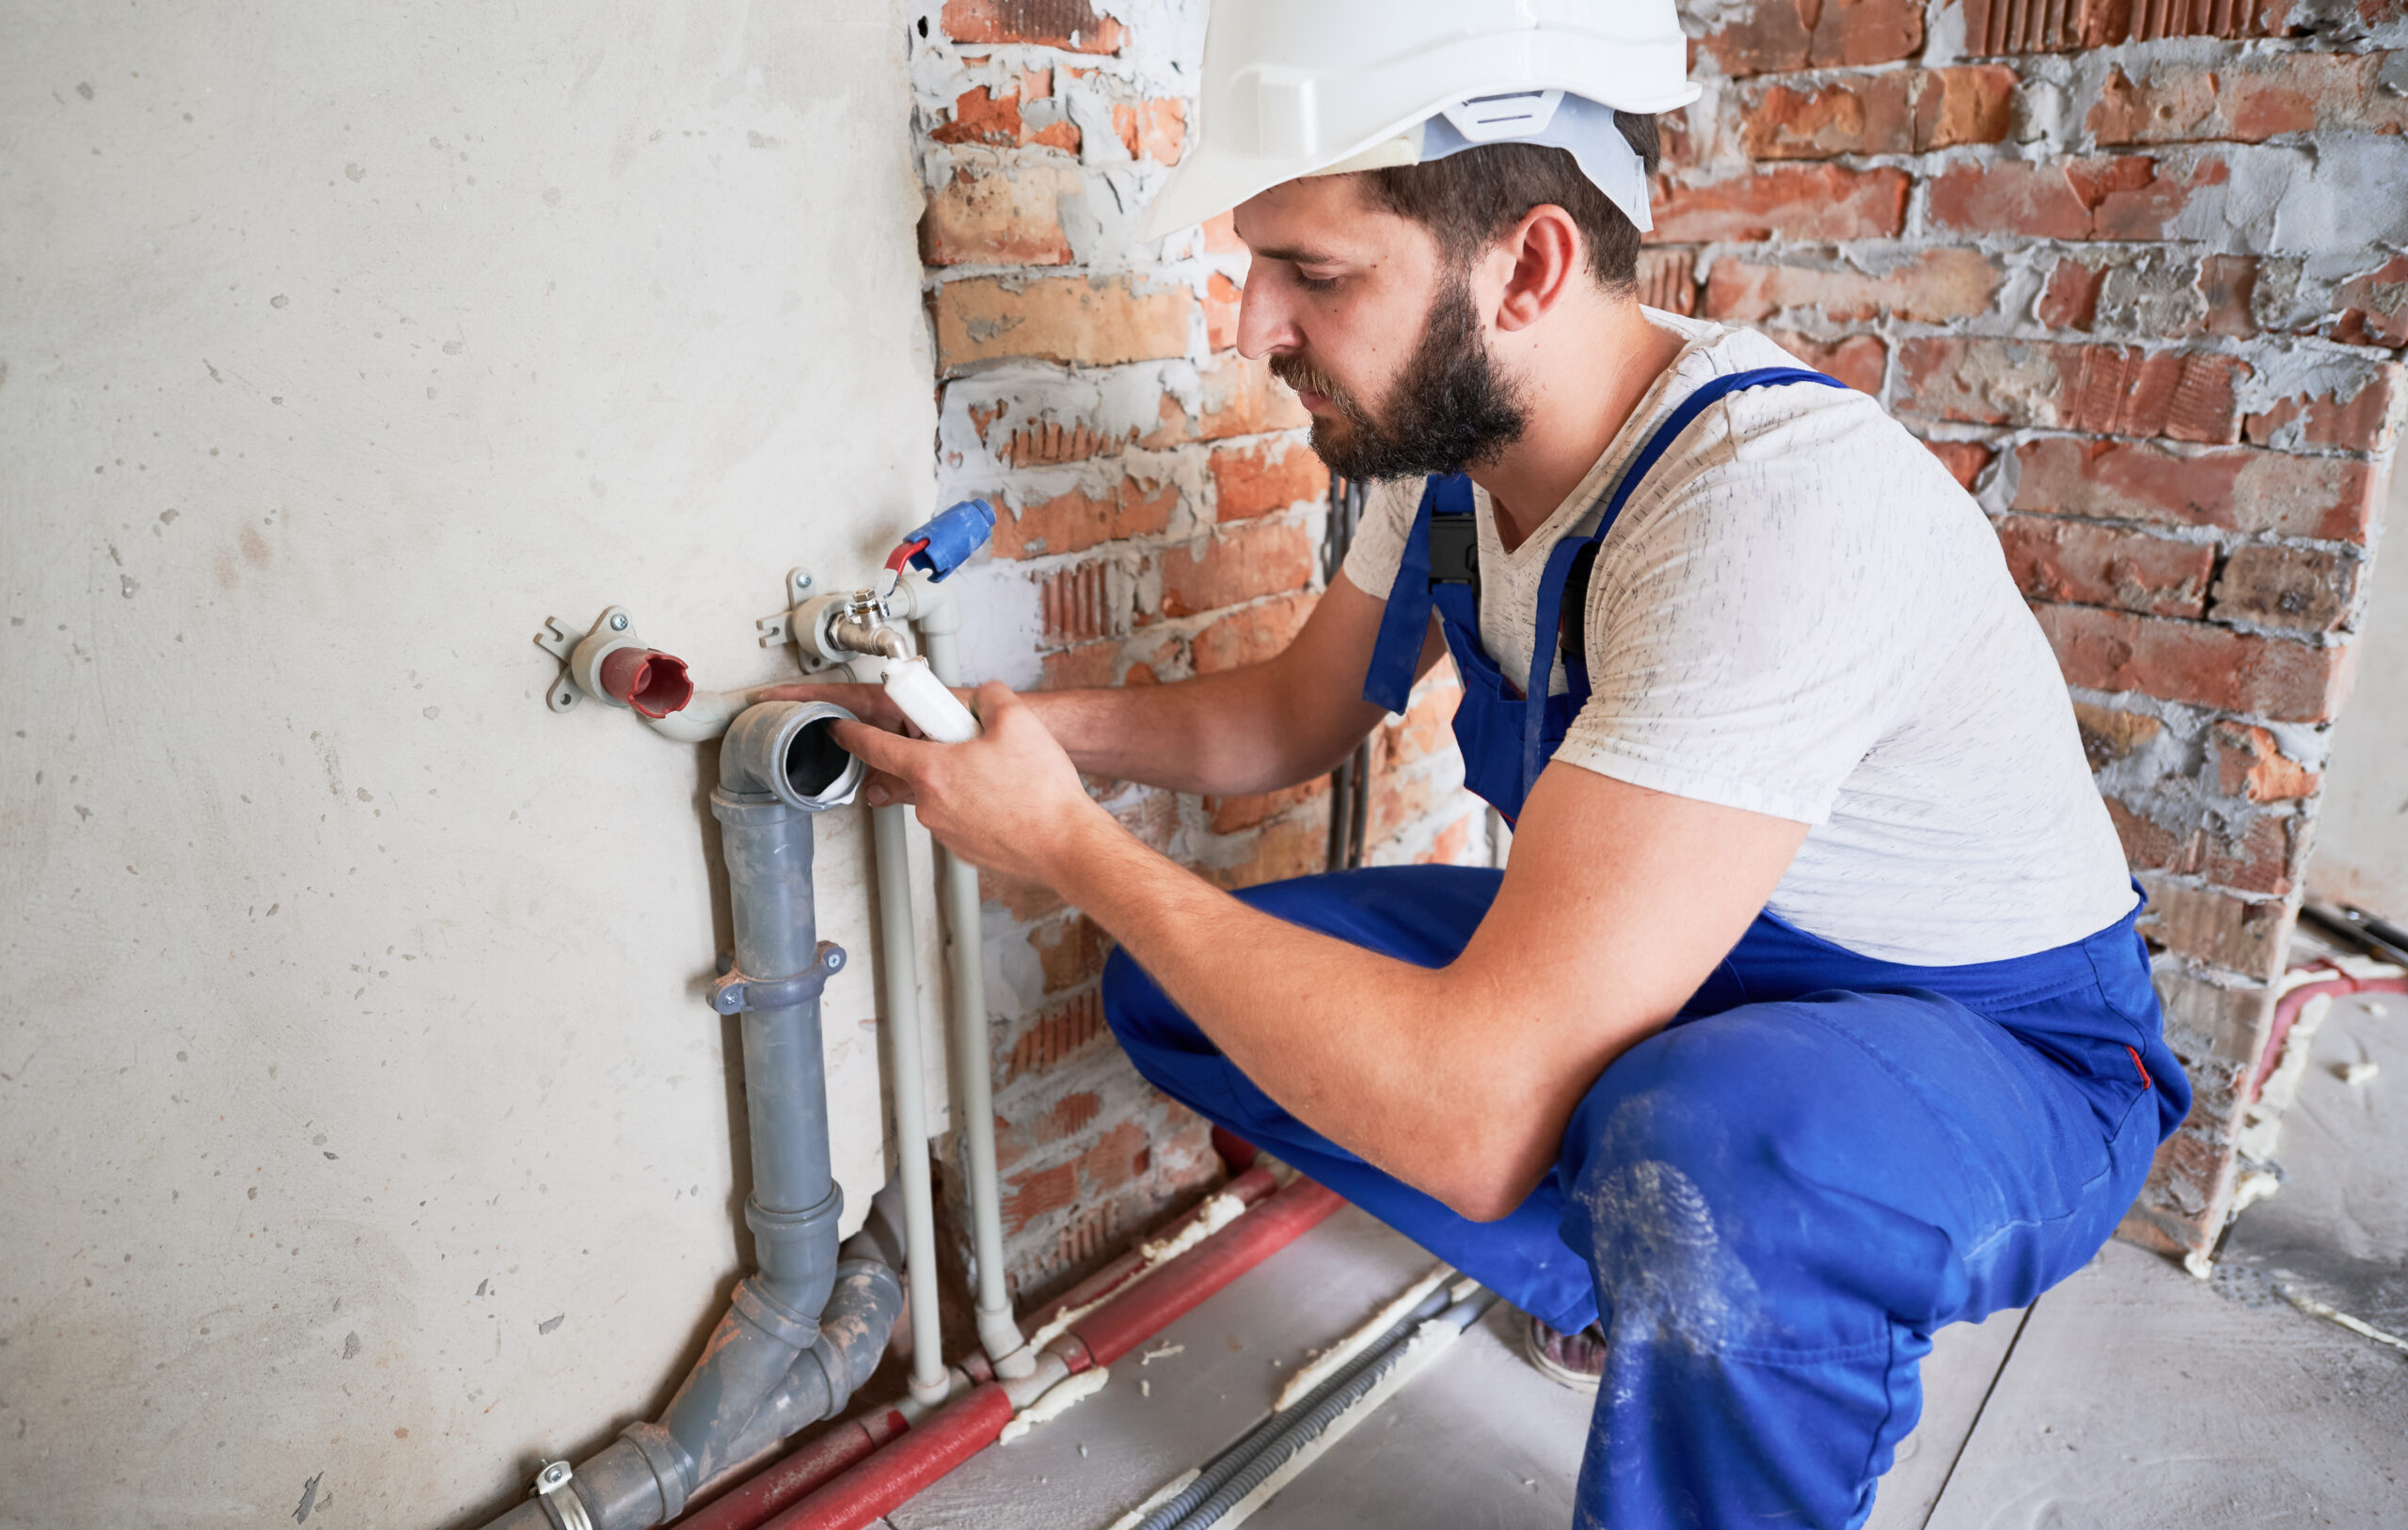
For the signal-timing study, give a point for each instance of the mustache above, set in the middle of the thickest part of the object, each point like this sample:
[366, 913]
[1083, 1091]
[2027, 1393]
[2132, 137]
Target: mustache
[1295, 369]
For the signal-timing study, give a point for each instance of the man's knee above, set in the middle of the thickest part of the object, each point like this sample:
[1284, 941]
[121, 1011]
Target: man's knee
[1705, 1197]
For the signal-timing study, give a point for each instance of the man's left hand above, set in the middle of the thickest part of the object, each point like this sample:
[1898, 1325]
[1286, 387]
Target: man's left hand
[1009, 800]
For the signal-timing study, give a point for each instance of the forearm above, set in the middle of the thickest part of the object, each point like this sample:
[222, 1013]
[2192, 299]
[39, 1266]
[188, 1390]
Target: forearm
[1218, 734]
[1383, 1057]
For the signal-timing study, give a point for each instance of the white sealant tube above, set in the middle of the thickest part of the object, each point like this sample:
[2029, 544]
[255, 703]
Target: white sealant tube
[933, 709]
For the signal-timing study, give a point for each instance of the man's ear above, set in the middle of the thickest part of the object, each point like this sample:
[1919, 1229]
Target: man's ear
[1547, 256]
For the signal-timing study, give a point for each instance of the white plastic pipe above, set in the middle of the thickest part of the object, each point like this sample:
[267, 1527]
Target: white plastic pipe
[928, 702]
[974, 1100]
[899, 954]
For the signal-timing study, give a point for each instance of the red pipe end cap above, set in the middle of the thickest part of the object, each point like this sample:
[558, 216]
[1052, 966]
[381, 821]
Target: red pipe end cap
[654, 683]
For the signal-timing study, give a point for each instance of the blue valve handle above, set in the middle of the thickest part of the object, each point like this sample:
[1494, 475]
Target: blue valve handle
[951, 536]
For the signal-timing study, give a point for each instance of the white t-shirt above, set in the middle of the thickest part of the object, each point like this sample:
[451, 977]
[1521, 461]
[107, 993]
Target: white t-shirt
[1802, 614]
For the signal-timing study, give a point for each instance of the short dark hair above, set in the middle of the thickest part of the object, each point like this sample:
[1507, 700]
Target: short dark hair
[1470, 199]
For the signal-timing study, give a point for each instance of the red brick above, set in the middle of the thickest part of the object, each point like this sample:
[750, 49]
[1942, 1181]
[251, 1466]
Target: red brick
[1425, 728]
[1894, 112]
[1230, 814]
[2261, 857]
[1059, 1033]
[1818, 34]
[1078, 520]
[1154, 129]
[1221, 235]
[2119, 198]
[2109, 734]
[1934, 287]
[1076, 603]
[1861, 361]
[1038, 1193]
[1234, 566]
[2247, 99]
[1072, 24]
[2360, 421]
[1969, 104]
[1250, 635]
[2263, 493]
[1667, 279]
[2198, 663]
[1450, 844]
[1866, 114]
[2015, 27]
[1266, 476]
[1294, 845]
[1795, 201]
[2212, 925]
[2070, 301]
[1399, 800]
[1070, 951]
[2249, 762]
[1006, 217]
[1964, 460]
[981, 116]
[1088, 667]
[2109, 389]
[1240, 397]
[2089, 564]
[2304, 589]
[2374, 306]
[1075, 321]
[1222, 299]
[2228, 285]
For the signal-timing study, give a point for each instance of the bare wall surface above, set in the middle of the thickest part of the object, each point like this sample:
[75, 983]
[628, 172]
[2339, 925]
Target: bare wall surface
[2362, 839]
[362, 1130]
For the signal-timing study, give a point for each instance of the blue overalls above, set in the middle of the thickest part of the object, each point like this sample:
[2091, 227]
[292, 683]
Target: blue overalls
[1772, 1202]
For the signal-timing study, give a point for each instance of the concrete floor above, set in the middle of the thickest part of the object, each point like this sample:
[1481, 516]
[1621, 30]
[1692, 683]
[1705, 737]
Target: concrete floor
[2130, 1398]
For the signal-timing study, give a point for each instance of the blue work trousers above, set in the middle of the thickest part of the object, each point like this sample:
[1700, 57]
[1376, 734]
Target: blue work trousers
[1771, 1204]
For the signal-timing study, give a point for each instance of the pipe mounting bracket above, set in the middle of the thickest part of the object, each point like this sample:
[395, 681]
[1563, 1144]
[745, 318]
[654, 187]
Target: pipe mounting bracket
[558, 1499]
[733, 991]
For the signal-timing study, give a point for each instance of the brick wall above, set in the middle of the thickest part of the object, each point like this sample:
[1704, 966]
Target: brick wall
[1158, 493]
[2134, 268]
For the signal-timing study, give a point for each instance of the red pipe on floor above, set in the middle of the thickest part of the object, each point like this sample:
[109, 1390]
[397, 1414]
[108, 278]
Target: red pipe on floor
[943, 1441]
[1180, 1286]
[971, 1422]
[783, 1481]
[1248, 1189]
[2286, 1015]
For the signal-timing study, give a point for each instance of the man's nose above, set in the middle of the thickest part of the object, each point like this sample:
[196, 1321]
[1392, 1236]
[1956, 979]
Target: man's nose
[1264, 324]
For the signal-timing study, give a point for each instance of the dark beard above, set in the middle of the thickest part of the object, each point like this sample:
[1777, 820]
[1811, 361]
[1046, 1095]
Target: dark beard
[1452, 407]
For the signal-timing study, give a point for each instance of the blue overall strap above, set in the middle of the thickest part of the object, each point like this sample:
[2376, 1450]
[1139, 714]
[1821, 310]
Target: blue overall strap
[1404, 625]
[1549, 614]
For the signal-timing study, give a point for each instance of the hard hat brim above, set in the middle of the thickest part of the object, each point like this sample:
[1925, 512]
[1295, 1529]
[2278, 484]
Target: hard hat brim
[1209, 181]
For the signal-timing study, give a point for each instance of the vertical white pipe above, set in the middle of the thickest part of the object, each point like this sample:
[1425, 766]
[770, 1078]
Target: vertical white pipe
[900, 955]
[973, 1085]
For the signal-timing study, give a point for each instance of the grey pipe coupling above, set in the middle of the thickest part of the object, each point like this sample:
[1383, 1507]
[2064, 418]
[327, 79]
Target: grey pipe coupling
[733, 992]
[786, 751]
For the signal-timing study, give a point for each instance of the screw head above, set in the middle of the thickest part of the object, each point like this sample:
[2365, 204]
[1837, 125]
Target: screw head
[552, 1476]
[619, 622]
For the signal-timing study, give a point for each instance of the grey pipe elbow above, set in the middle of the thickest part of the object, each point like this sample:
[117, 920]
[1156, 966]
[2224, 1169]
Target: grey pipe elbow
[854, 1331]
[786, 749]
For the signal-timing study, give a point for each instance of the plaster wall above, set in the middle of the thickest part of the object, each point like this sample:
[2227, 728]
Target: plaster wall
[2362, 835]
[363, 1135]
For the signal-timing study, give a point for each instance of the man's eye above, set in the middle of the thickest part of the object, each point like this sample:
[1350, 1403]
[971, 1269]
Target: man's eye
[1314, 284]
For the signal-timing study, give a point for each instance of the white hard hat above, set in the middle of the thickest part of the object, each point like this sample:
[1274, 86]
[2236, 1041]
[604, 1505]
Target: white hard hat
[1297, 87]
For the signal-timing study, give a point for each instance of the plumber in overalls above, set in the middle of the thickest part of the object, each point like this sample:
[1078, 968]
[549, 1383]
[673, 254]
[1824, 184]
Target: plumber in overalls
[1808, 1016]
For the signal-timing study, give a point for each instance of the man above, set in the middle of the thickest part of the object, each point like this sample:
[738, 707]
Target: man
[1809, 1016]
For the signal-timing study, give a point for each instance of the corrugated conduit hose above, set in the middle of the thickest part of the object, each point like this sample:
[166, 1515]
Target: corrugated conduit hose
[1238, 1470]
